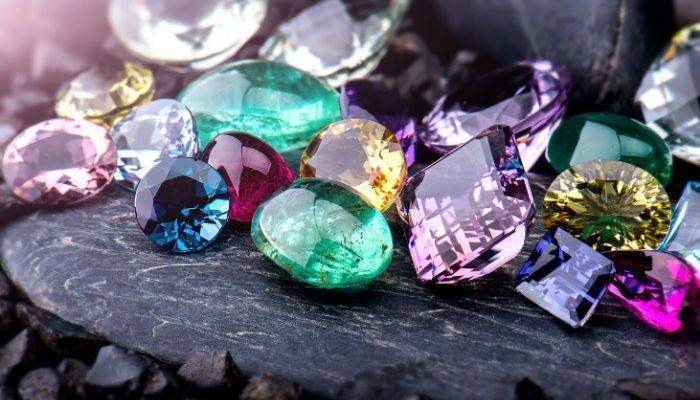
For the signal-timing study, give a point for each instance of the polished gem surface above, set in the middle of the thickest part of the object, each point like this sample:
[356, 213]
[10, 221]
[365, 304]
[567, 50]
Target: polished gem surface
[151, 133]
[684, 235]
[59, 161]
[530, 97]
[565, 277]
[467, 214]
[605, 136]
[653, 285]
[323, 234]
[277, 103]
[251, 168]
[182, 204]
[610, 205]
[361, 154]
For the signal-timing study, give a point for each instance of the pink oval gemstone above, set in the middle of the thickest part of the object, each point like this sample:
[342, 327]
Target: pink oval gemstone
[59, 162]
[251, 168]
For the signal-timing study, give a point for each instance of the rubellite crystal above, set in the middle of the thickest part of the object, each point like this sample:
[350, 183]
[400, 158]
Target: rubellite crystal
[277, 103]
[59, 161]
[684, 235]
[151, 133]
[530, 97]
[182, 204]
[252, 169]
[323, 234]
[361, 154]
[610, 205]
[565, 277]
[467, 214]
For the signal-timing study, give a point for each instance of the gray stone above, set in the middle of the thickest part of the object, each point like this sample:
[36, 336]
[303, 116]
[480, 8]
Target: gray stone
[116, 372]
[40, 384]
[209, 373]
[73, 376]
[271, 387]
[17, 355]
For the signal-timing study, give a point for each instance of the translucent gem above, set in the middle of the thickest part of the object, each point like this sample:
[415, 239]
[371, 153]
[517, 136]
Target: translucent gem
[59, 161]
[684, 235]
[467, 214]
[252, 169]
[323, 234]
[565, 277]
[105, 95]
[182, 204]
[610, 205]
[530, 97]
[277, 103]
[151, 133]
[198, 34]
[356, 30]
[361, 154]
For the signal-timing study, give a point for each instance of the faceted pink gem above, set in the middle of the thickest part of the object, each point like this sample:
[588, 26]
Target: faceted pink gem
[252, 169]
[59, 161]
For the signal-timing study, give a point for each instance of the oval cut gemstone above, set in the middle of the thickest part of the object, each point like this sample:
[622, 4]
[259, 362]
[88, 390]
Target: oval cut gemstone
[605, 136]
[323, 234]
[361, 154]
[252, 169]
[275, 102]
[59, 162]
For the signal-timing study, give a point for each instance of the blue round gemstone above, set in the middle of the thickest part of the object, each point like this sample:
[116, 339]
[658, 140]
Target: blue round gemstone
[182, 204]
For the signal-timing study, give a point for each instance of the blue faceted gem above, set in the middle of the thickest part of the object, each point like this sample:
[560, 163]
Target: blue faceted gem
[683, 237]
[182, 204]
[565, 277]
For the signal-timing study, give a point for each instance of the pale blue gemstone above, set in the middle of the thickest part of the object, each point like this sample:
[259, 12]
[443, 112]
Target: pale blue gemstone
[683, 237]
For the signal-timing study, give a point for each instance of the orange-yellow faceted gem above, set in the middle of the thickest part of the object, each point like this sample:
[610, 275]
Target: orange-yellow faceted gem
[361, 154]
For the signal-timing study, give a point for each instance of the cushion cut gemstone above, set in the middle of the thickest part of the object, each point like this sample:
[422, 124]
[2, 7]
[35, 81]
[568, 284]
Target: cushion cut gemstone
[684, 235]
[565, 277]
[610, 205]
[277, 103]
[59, 161]
[252, 169]
[467, 214]
[361, 154]
[182, 204]
[323, 234]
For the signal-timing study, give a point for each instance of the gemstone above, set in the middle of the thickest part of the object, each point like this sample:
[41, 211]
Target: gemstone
[149, 134]
[323, 234]
[277, 103]
[197, 34]
[251, 168]
[182, 204]
[366, 99]
[653, 285]
[59, 162]
[684, 235]
[605, 136]
[105, 95]
[669, 95]
[467, 214]
[565, 277]
[361, 154]
[358, 30]
[530, 97]
[610, 205]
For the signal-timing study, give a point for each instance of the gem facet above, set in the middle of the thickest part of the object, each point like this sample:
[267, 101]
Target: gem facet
[684, 235]
[277, 103]
[182, 204]
[530, 97]
[151, 133]
[252, 170]
[361, 154]
[467, 214]
[605, 136]
[59, 161]
[610, 205]
[323, 234]
[565, 277]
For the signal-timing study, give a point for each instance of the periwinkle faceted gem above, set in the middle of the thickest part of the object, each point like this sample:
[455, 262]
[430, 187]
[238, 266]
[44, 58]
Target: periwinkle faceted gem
[683, 237]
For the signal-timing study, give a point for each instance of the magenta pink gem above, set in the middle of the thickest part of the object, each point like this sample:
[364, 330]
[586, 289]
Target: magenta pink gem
[59, 162]
[251, 168]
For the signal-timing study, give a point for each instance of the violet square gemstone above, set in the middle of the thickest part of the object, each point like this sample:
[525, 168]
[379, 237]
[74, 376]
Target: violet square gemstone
[565, 277]
[468, 213]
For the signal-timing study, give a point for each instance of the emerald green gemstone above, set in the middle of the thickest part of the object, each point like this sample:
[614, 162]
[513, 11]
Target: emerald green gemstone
[604, 136]
[280, 104]
[323, 234]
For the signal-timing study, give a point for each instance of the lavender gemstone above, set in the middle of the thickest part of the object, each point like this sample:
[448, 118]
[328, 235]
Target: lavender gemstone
[530, 97]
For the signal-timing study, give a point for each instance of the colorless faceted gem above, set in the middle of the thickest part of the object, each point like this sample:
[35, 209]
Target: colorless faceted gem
[149, 134]
[684, 235]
